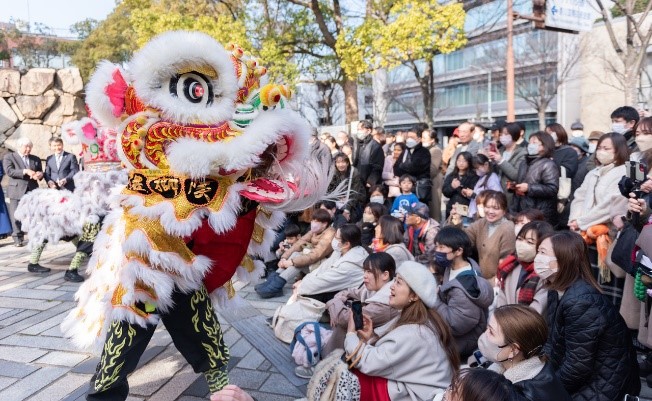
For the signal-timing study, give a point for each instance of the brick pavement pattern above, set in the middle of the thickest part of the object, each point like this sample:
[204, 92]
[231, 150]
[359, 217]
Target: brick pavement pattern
[37, 363]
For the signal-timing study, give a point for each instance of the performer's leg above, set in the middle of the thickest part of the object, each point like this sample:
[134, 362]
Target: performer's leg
[84, 244]
[196, 333]
[35, 256]
[124, 345]
[33, 266]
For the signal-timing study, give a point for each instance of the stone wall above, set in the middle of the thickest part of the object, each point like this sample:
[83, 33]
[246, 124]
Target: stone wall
[36, 103]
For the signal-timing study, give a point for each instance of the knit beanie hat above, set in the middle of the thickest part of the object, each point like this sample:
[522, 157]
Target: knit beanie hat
[420, 280]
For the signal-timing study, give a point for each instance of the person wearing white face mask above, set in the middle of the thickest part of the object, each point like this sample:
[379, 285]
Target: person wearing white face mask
[589, 345]
[598, 197]
[309, 250]
[538, 179]
[342, 270]
[643, 139]
[623, 122]
[415, 161]
[511, 156]
[367, 155]
[564, 155]
[370, 216]
[517, 280]
[514, 342]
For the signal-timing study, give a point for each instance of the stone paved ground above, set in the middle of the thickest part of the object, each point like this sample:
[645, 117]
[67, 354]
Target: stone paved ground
[37, 364]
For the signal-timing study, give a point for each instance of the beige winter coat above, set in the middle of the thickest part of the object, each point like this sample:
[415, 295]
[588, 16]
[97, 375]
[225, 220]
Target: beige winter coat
[410, 357]
[492, 248]
[311, 248]
[598, 197]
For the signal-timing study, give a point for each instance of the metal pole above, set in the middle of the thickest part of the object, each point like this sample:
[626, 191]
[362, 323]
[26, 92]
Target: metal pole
[489, 96]
[511, 115]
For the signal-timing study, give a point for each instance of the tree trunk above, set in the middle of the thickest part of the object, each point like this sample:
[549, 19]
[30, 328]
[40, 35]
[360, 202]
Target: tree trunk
[630, 83]
[429, 95]
[541, 112]
[350, 87]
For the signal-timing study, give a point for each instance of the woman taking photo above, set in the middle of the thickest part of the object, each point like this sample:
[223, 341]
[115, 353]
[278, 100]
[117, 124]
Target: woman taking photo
[379, 271]
[389, 239]
[511, 156]
[517, 280]
[463, 177]
[415, 359]
[538, 179]
[514, 340]
[589, 345]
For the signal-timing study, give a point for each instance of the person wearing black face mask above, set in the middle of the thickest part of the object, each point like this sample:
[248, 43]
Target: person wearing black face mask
[463, 295]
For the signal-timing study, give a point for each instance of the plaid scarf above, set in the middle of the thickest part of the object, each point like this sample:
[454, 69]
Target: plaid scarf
[528, 287]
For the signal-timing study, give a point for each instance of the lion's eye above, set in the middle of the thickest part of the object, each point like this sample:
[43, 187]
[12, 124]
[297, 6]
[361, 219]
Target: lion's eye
[193, 86]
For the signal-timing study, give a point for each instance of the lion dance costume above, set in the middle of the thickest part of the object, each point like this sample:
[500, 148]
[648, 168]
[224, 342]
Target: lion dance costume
[214, 161]
[51, 215]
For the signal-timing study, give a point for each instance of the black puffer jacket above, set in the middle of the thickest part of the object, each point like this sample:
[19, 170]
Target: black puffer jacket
[542, 176]
[417, 163]
[589, 345]
[545, 386]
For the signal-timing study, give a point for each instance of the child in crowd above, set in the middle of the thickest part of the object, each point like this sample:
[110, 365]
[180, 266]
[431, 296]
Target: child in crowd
[526, 216]
[407, 197]
[292, 235]
[487, 180]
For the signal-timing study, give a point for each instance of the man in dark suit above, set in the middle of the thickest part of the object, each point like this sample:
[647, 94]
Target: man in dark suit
[24, 171]
[60, 167]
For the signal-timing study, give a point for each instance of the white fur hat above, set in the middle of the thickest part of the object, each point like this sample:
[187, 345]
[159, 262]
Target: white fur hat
[420, 280]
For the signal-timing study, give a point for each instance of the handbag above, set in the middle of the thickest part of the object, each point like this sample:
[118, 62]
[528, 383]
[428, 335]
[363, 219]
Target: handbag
[289, 316]
[306, 346]
[333, 381]
[564, 190]
[622, 248]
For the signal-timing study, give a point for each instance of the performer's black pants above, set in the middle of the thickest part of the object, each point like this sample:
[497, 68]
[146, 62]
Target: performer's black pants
[195, 331]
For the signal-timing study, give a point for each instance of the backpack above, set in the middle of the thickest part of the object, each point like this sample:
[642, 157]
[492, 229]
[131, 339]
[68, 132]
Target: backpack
[306, 346]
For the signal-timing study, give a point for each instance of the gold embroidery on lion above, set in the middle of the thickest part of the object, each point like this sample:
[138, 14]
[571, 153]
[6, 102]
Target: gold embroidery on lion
[185, 195]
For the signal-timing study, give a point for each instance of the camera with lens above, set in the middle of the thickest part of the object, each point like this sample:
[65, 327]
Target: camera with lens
[635, 176]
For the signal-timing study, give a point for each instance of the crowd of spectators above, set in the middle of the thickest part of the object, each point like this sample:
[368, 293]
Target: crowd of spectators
[479, 277]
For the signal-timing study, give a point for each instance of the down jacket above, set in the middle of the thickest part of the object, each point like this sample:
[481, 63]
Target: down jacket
[542, 177]
[464, 304]
[589, 345]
